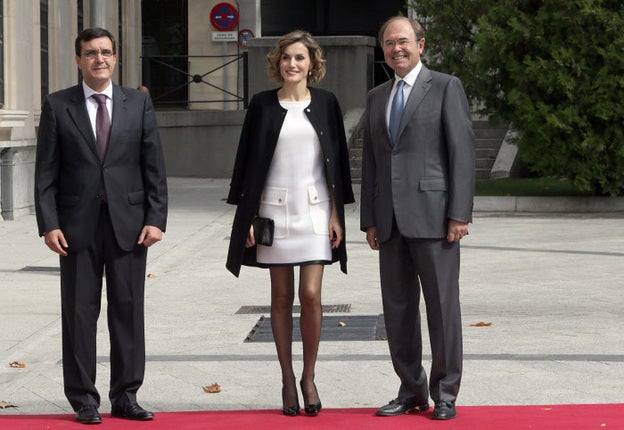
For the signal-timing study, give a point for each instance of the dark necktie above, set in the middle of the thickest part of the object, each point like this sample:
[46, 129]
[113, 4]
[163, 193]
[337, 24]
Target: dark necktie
[102, 124]
[396, 111]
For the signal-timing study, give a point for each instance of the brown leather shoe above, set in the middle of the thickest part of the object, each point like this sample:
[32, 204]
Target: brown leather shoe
[88, 414]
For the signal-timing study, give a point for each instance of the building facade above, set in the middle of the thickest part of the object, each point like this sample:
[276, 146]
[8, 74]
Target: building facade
[200, 68]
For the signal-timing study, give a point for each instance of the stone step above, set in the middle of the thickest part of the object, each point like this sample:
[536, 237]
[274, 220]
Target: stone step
[489, 153]
[482, 173]
[490, 143]
[488, 139]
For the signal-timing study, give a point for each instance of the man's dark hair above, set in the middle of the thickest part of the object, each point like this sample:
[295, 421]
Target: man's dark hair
[93, 33]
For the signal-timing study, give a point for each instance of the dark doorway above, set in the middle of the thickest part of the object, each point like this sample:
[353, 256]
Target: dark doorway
[165, 50]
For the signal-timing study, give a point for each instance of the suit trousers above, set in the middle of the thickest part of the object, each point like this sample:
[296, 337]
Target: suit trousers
[407, 265]
[81, 292]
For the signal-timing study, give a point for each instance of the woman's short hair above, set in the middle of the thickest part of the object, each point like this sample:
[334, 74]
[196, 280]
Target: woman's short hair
[317, 62]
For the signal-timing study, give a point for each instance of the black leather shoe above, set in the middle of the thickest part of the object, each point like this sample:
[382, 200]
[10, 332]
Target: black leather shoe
[132, 412]
[400, 407]
[444, 410]
[88, 414]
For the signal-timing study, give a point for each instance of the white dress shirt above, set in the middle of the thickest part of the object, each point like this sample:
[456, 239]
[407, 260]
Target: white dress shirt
[409, 79]
[92, 105]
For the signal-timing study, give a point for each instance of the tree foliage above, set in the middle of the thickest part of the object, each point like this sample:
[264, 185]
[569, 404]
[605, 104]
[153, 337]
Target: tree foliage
[450, 36]
[555, 68]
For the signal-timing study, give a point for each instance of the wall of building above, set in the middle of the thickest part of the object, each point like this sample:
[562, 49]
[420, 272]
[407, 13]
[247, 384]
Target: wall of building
[19, 114]
[349, 67]
[200, 143]
[197, 142]
[204, 143]
[21, 62]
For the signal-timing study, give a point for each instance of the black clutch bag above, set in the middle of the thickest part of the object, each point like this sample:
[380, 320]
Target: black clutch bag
[263, 230]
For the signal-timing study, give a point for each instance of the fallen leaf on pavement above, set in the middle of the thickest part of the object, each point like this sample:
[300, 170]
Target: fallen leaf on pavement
[151, 275]
[4, 405]
[17, 364]
[214, 388]
[481, 324]
[342, 323]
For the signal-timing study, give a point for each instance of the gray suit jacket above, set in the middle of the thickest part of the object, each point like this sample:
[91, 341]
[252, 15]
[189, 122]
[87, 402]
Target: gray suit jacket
[428, 176]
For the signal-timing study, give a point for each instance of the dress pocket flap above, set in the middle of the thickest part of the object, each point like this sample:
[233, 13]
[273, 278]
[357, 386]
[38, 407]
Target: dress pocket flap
[317, 194]
[274, 196]
[433, 184]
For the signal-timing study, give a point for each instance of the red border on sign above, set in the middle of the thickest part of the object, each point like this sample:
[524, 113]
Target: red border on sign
[216, 11]
[244, 31]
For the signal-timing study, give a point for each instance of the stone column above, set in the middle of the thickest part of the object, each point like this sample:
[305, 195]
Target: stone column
[62, 32]
[131, 39]
[22, 73]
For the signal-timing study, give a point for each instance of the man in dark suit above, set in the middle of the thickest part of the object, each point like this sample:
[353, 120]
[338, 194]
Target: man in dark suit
[417, 193]
[101, 201]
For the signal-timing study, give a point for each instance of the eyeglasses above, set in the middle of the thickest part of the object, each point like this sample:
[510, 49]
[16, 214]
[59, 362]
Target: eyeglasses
[401, 42]
[92, 53]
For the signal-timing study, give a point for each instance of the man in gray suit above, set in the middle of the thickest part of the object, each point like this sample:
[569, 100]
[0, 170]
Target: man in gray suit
[417, 193]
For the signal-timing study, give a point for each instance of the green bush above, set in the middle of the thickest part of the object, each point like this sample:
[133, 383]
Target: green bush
[554, 68]
[450, 29]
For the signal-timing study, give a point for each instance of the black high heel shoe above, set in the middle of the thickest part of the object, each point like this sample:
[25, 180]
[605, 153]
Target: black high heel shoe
[311, 409]
[290, 411]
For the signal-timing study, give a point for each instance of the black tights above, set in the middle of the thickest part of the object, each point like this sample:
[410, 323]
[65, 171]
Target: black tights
[282, 298]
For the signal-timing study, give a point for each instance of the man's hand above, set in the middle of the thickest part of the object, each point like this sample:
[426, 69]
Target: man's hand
[149, 235]
[55, 240]
[371, 238]
[456, 230]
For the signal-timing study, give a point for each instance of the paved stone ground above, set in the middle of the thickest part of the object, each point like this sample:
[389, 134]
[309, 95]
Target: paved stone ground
[550, 285]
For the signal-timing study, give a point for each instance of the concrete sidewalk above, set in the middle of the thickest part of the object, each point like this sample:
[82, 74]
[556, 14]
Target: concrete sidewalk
[551, 285]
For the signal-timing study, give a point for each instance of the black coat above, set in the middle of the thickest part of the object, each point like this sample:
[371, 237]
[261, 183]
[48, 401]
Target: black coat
[256, 147]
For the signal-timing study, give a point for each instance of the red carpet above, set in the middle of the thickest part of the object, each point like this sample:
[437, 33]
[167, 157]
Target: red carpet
[557, 417]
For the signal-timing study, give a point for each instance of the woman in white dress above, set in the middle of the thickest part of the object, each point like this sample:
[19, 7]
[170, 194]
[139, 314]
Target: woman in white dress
[292, 166]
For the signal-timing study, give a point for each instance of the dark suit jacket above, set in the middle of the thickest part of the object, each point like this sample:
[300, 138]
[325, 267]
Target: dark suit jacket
[259, 135]
[70, 177]
[428, 176]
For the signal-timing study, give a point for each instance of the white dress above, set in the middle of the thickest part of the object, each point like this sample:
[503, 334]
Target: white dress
[296, 195]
